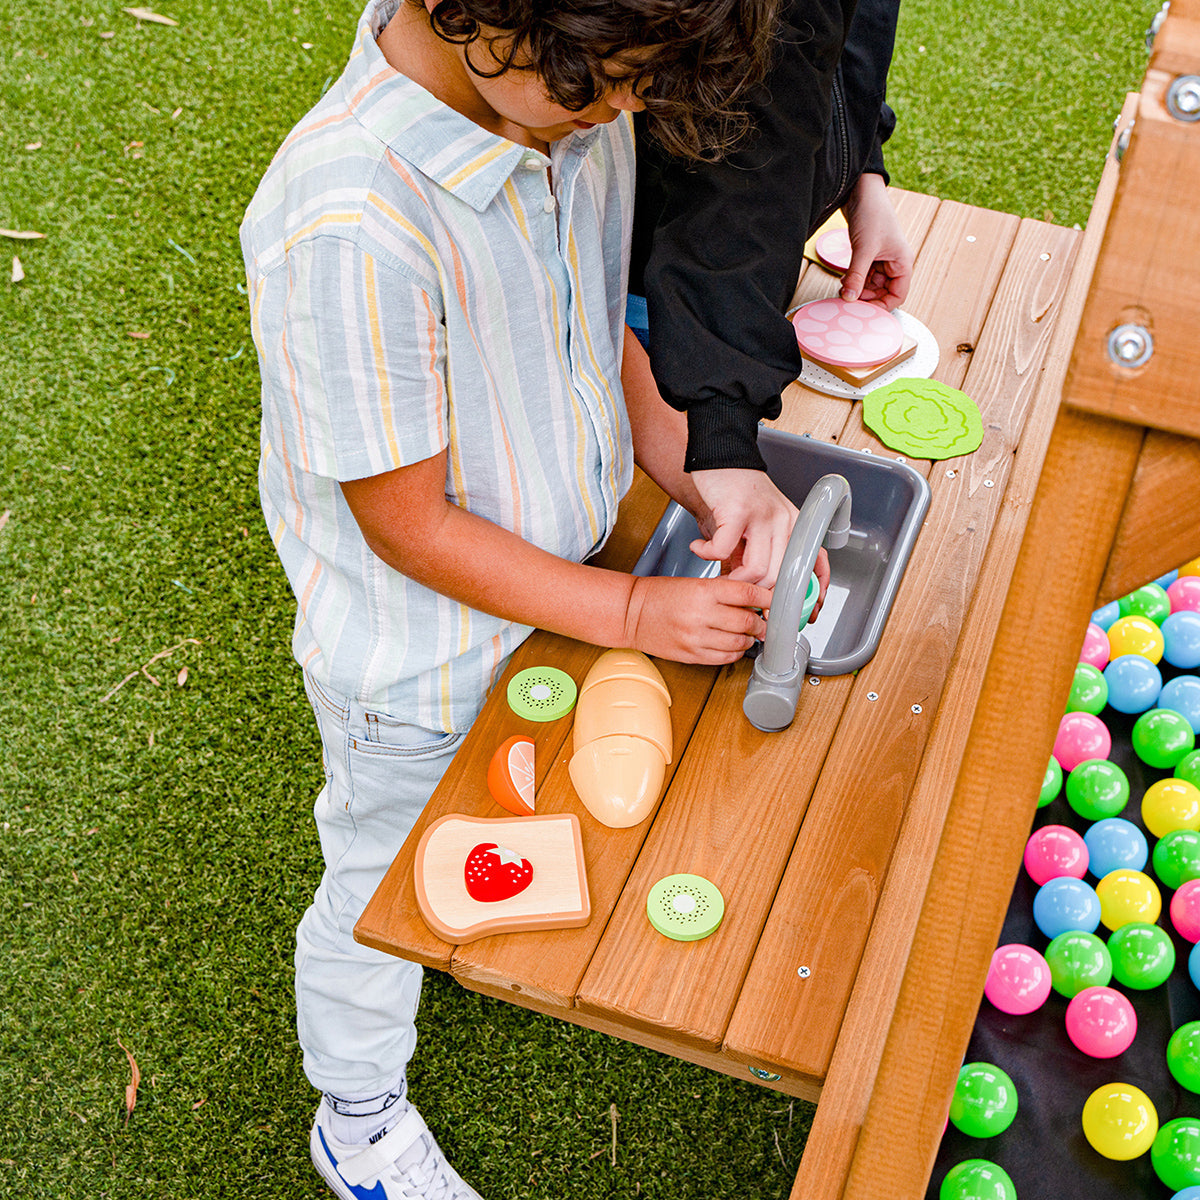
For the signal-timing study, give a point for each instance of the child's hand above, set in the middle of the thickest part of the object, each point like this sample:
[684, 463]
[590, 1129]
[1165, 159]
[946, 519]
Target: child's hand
[748, 524]
[881, 260]
[712, 621]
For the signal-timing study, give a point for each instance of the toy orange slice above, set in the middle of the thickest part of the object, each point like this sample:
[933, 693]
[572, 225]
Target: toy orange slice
[510, 776]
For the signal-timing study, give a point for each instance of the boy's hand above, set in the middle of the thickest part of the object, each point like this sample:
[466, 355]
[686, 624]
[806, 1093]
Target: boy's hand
[711, 621]
[749, 522]
[881, 260]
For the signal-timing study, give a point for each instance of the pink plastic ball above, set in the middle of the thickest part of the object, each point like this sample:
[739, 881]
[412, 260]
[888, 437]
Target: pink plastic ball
[1185, 910]
[1018, 979]
[1054, 851]
[1096, 650]
[1101, 1022]
[1184, 594]
[1081, 736]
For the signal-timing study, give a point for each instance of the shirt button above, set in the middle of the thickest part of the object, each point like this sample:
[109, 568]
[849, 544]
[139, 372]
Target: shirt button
[549, 204]
[532, 164]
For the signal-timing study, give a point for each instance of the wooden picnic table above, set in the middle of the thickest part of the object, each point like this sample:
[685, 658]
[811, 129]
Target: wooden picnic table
[865, 854]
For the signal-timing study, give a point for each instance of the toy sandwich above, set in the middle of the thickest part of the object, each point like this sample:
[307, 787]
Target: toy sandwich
[622, 739]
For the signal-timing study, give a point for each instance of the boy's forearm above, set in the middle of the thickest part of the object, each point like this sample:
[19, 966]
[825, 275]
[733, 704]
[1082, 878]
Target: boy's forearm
[478, 563]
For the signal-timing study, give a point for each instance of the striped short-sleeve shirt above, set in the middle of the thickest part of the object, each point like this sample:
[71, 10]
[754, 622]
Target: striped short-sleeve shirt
[418, 284]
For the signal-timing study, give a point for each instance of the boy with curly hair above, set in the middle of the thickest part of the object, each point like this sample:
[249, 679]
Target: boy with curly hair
[437, 261]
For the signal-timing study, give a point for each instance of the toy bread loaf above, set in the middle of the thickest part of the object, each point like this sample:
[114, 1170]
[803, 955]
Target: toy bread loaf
[622, 738]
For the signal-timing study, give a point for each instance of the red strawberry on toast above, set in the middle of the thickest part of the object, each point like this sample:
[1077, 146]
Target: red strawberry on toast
[494, 873]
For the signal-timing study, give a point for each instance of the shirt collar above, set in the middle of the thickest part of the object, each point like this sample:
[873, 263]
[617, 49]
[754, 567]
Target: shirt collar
[442, 144]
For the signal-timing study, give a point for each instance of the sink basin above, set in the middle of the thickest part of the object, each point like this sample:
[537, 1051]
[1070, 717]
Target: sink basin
[888, 504]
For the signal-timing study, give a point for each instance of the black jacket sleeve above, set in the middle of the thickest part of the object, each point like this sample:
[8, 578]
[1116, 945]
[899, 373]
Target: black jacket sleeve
[718, 247]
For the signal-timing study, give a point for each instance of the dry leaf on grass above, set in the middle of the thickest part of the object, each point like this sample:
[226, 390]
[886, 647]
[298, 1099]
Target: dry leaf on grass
[137, 333]
[145, 14]
[142, 670]
[131, 1088]
[22, 235]
[181, 678]
[18, 271]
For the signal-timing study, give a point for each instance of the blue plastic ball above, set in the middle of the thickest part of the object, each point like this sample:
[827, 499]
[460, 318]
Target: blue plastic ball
[1134, 683]
[1194, 964]
[1188, 1193]
[1107, 614]
[1183, 695]
[1181, 639]
[1115, 843]
[1165, 581]
[1065, 904]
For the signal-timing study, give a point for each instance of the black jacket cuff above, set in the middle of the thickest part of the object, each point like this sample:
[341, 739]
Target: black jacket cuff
[723, 434]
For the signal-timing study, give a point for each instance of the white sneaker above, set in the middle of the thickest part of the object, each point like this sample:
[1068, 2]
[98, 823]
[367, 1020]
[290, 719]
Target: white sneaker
[405, 1164]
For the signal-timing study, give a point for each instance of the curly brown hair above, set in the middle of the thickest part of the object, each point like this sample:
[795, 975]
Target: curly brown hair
[704, 55]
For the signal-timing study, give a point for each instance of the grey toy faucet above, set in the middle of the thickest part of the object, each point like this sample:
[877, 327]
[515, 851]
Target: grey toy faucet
[774, 688]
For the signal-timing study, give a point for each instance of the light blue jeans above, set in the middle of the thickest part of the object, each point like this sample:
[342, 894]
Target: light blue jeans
[355, 1007]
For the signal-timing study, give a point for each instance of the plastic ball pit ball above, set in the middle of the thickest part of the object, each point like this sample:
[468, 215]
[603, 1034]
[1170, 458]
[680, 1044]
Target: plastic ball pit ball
[1127, 896]
[1056, 850]
[1161, 737]
[1143, 956]
[1081, 736]
[1066, 903]
[1176, 857]
[1096, 650]
[1089, 691]
[977, 1179]
[1175, 1153]
[1188, 1193]
[1182, 695]
[1133, 683]
[1119, 1121]
[1114, 843]
[1101, 1022]
[1135, 635]
[1184, 594]
[1181, 639]
[1078, 960]
[1183, 1056]
[1097, 788]
[1052, 782]
[1150, 601]
[1170, 804]
[1188, 767]
[1185, 910]
[984, 1101]
[1106, 615]
[1194, 964]
[1018, 979]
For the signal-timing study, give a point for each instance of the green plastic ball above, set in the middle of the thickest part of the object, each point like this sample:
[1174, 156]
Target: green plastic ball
[1176, 858]
[1175, 1154]
[1052, 782]
[1150, 601]
[984, 1101]
[1188, 768]
[1089, 691]
[977, 1179]
[1162, 737]
[1143, 956]
[1097, 788]
[1078, 960]
[1183, 1056]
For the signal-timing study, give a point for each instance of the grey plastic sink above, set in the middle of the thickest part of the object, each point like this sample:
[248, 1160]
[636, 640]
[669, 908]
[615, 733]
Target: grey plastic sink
[888, 504]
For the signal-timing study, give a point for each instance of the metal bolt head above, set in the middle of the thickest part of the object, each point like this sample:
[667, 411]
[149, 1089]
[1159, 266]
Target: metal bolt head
[804, 972]
[1123, 140]
[1130, 345]
[1183, 98]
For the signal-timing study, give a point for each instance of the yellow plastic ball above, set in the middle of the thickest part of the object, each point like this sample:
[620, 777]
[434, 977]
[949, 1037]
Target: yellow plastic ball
[1119, 1121]
[1170, 804]
[1190, 568]
[1135, 635]
[1127, 896]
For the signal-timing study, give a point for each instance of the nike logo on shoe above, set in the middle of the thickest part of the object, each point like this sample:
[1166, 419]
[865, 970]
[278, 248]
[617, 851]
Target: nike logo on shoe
[378, 1192]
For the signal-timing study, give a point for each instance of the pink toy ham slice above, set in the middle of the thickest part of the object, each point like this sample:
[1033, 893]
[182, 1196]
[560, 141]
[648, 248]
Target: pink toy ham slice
[847, 333]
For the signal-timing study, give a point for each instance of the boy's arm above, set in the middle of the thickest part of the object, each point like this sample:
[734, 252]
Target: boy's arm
[408, 522]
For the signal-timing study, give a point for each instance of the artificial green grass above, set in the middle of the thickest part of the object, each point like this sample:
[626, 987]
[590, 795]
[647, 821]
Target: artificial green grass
[156, 847]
